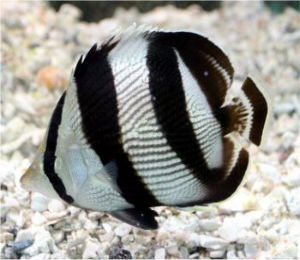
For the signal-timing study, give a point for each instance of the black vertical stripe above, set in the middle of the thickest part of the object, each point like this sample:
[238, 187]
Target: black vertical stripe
[226, 188]
[260, 110]
[195, 50]
[49, 155]
[170, 107]
[97, 99]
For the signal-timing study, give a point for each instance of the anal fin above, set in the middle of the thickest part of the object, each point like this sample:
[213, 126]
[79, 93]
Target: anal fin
[138, 217]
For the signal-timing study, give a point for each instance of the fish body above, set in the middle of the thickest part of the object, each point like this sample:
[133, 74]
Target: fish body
[144, 123]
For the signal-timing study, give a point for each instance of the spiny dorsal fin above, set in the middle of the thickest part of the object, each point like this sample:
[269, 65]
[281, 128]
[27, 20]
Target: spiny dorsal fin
[95, 54]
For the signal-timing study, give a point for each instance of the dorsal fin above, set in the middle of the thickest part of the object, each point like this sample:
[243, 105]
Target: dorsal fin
[95, 54]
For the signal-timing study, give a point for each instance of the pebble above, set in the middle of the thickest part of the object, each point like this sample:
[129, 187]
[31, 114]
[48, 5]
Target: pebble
[92, 250]
[24, 234]
[213, 243]
[184, 252]
[271, 172]
[243, 200]
[58, 236]
[231, 230]
[21, 245]
[293, 202]
[39, 202]
[194, 256]
[122, 230]
[5, 237]
[293, 178]
[209, 224]
[9, 253]
[160, 253]
[217, 254]
[251, 250]
[38, 219]
[173, 250]
[51, 77]
[11, 202]
[119, 253]
[43, 243]
[193, 239]
[231, 254]
[16, 217]
[56, 206]
[288, 253]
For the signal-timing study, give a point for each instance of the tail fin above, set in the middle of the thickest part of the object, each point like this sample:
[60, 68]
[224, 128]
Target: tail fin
[248, 113]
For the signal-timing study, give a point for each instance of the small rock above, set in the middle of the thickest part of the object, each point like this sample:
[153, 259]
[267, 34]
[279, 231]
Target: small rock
[106, 227]
[24, 234]
[40, 256]
[51, 77]
[70, 11]
[108, 237]
[241, 201]
[21, 245]
[74, 211]
[184, 252]
[217, 254]
[194, 256]
[213, 243]
[95, 216]
[230, 230]
[271, 172]
[194, 240]
[11, 202]
[127, 239]
[39, 202]
[56, 206]
[59, 255]
[209, 224]
[160, 253]
[16, 216]
[38, 219]
[293, 178]
[119, 253]
[9, 253]
[231, 254]
[5, 237]
[58, 236]
[89, 225]
[122, 230]
[289, 253]
[173, 250]
[92, 250]
[293, 202]
[251, 250]
[43, 243]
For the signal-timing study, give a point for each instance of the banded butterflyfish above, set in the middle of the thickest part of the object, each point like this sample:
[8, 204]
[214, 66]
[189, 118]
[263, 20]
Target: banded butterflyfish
[144, 123]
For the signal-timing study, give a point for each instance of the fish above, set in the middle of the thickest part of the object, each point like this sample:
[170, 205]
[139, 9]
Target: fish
[148, 120]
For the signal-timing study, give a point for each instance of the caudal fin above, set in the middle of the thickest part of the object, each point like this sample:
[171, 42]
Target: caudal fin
[247, 113]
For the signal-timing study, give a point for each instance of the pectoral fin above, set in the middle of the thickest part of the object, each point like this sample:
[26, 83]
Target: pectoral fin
[138, 217]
